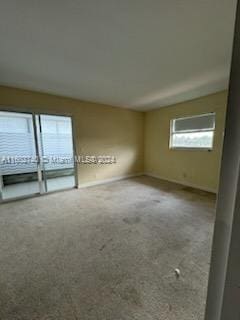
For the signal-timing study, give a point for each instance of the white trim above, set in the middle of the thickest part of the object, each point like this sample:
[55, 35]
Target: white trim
[184, 183]
[192, 149]
[105, 181]
[98, 182]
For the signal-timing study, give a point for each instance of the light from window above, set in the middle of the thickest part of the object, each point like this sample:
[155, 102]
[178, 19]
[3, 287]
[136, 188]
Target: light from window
[11, 123]
[193, 132]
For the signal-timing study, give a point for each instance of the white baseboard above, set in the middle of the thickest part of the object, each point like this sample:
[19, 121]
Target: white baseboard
[184, 183]
[127, 176]
[98, 182]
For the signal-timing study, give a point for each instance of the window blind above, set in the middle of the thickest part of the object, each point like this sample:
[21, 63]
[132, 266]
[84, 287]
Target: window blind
[195, 123]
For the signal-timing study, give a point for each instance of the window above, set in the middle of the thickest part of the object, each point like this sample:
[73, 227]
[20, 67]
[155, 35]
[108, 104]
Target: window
[56, 125]
[13, 124]
[193, 132]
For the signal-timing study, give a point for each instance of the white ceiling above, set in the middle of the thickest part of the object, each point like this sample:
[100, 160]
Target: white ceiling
[139, 54]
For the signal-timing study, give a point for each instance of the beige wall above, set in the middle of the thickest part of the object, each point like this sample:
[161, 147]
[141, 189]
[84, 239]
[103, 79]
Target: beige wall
[99, 130]
[196, 168]
[140, 141]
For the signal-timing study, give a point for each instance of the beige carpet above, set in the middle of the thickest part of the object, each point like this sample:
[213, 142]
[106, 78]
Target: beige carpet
[107, 252]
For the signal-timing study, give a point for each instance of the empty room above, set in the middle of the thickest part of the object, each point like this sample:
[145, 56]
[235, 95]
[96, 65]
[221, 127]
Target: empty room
[116, 159]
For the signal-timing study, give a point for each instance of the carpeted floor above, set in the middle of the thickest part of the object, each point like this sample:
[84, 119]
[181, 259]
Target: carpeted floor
[107, 253]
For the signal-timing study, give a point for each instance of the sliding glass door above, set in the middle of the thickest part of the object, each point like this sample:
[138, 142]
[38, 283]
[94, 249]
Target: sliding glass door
[56, 149]
[36, 154]
[18, 156]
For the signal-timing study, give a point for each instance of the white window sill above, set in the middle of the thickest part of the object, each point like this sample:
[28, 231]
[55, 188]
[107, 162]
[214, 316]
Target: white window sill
[191, 149]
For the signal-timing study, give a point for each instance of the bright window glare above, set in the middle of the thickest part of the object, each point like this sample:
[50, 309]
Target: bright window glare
[192, 140]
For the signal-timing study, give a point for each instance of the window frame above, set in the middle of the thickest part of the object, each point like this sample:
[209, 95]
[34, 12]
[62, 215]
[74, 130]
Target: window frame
[171, 147]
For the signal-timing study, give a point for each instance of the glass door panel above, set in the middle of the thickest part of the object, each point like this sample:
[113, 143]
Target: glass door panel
[18, 159]
[56, 150]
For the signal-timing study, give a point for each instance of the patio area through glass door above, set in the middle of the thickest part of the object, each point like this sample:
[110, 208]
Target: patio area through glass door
[36, 154]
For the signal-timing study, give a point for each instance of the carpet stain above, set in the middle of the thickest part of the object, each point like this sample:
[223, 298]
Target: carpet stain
[132, 296]
[132, 220]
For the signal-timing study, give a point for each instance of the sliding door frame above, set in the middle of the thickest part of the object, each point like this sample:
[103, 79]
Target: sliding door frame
[74, 151]
[39, 165]
[40, 146]
[1, 187]
[40, 169]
